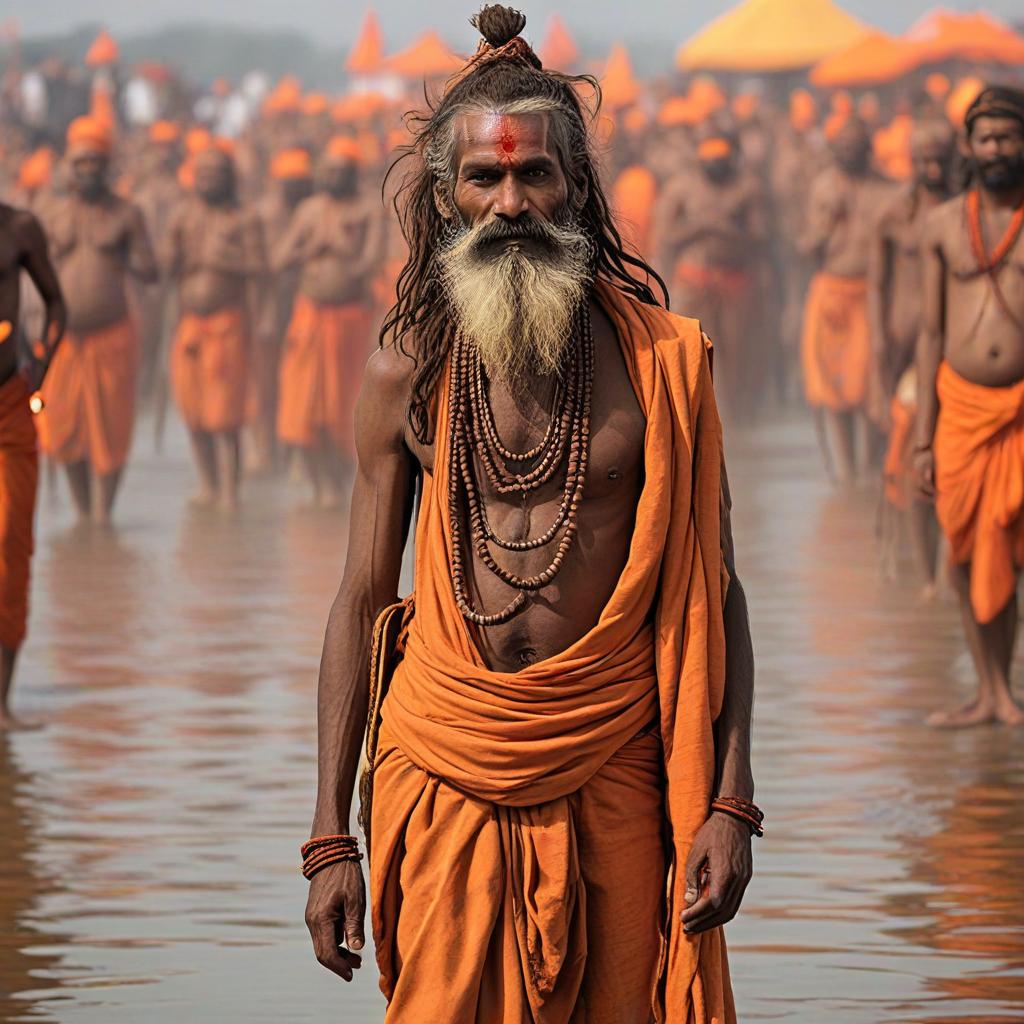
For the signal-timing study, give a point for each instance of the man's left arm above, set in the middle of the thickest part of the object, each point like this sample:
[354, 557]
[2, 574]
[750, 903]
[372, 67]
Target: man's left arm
[36, 261]
[720, 864]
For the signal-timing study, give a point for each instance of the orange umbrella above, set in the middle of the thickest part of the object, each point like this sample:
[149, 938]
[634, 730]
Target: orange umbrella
[618, 86]
[367, 54]
[978, 38]
[559, 50]
[874, 59]
[772, 35]
[103, 51]
[428, 56]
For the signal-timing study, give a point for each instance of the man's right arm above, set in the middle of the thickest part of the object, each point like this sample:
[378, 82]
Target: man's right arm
[382, 500]
[929, 352]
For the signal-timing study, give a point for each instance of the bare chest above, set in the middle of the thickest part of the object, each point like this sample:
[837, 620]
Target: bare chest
[99, 227]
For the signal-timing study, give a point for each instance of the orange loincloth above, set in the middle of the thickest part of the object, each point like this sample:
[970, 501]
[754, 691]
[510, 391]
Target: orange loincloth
[325, 351]
[979, 484]
[89, 393]
[836, 345]
[209, 370]
[633, 197]
[724, 282]
[517, 872]
[19, 472]
[897, 469]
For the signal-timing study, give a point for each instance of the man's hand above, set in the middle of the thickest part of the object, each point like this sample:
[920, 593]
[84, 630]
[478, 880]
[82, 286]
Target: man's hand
[334, 915]
[923, 466]
[718, 871]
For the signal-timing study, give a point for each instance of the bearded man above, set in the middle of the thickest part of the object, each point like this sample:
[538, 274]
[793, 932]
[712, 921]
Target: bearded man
[560, 775]
[894, 312]
[970, 423]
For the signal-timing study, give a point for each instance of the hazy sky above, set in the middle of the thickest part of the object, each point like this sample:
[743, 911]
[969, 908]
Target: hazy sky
[333, 21]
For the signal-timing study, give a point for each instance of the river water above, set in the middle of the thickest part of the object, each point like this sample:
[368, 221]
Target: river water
[149, 834]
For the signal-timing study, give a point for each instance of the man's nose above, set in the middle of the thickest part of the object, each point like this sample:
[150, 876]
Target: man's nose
[510, 200]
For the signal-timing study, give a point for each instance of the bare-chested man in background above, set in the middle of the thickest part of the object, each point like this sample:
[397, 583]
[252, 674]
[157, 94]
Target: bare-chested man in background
[22, 247]
[845, 202]
[970, 425]
[216, 254]
[98, 240]
[894, 310]
[337, 237]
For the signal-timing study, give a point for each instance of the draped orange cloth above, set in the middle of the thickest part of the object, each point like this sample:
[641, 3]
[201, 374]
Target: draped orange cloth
[19, 473]
[633, 197]
[89, 393]
[979, 483]
[502, 887]
[836, 346]
[209, 369]
[325, 351]
[897, 457]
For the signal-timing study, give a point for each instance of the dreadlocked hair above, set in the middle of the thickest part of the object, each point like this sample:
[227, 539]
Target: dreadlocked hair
[505, 77]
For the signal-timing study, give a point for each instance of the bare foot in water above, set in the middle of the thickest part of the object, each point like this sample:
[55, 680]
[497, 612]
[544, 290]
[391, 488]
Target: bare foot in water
[978, 712]
[1008, 711]
[11, 723]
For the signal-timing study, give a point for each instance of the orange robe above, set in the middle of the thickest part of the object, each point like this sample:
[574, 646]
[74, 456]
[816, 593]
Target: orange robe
[209, 370]
[518, 872]
[979, 483]
[19, 472]
[836, 346]
[897, 469]
[89, 393]
[321, 371]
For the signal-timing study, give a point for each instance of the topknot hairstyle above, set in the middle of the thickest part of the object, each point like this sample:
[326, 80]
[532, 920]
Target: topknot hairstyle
[504, 76]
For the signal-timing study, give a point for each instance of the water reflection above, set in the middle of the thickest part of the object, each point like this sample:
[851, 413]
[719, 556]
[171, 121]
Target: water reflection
[149, 835]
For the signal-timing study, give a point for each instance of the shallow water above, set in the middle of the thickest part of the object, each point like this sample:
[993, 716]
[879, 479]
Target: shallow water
[148, 835]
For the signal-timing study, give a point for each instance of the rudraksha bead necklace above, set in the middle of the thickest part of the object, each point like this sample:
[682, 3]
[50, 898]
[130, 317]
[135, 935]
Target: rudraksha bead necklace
[473, 432]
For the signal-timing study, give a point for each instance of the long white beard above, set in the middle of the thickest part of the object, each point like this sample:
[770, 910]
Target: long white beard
[517, 308]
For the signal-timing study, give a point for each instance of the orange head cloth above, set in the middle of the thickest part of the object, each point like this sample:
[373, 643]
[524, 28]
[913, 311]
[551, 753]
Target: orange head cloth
[937, 86]
[291, 164]
[87, 135]
[342, 147]
[745, 106]
[834, 124]
[842, 102]
[960, 100]
[314, 104]
[164, 132]
[716, 148]
[196, 140]
[803, 111]
[36, 170]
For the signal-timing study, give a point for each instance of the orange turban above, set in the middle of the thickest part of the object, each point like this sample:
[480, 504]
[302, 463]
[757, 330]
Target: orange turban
[842, 102]
[678, 110]
[834, 124]
[314, 104]
[744, 106]
[937, 85]
[803, 111]
[964, 93]
[715, 148]
[164, 132]
[196, 140]
[290, 164]
[36, 170]
[341, 147]
[87, 134]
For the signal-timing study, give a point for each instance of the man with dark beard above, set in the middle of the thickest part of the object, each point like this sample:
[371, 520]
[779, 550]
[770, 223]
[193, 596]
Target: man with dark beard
[558, 738]
[336, 237]
[894, 310]
[970, 424]
[836, 345]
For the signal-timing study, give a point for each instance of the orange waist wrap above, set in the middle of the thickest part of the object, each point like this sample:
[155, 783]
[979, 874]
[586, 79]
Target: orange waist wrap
[19, 472]
[979, 483]
[527, 741]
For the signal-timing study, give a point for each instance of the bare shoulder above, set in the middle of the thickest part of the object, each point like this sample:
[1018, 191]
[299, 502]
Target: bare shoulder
[942, 225]
[896, 208]
[384, 399]
[24, 225]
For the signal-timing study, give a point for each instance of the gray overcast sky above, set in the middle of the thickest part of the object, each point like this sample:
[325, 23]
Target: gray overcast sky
[333, 22]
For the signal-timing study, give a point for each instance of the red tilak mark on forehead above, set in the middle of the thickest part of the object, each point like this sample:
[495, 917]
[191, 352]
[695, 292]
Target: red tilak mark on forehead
[508, 143]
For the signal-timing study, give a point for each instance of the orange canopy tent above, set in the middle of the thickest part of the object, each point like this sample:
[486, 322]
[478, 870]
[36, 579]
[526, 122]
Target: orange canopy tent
[367, 54]
[558, 50]
[427, 57]
[978, 38]
[771, 35]
[874, 59]
[104, 50]
[618, 86]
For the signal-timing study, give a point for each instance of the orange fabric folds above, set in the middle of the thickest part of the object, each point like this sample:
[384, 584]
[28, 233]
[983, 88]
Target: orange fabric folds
[209, 370]
[19, 472]
[90, 398]
[979, 482]
[502, 888]
[326, 349]
[836, 348]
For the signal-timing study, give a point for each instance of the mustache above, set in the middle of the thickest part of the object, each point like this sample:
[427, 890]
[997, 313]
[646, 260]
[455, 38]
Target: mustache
[525, 228]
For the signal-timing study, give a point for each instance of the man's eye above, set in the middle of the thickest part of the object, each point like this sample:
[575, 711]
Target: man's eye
[537, 172]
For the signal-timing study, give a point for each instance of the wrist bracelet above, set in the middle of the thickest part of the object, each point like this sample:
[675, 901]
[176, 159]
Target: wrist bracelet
[742, 810]
[323, 851]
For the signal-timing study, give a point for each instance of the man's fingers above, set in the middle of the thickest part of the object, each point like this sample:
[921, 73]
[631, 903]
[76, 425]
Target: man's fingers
[694, 868]
[354, 930]
[717, 908]
[325, 945]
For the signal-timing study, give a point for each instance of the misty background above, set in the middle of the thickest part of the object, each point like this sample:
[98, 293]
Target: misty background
[310, 37]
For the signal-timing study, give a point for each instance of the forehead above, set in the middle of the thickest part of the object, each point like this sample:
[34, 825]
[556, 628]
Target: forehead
[485, 133]
[987, 125]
